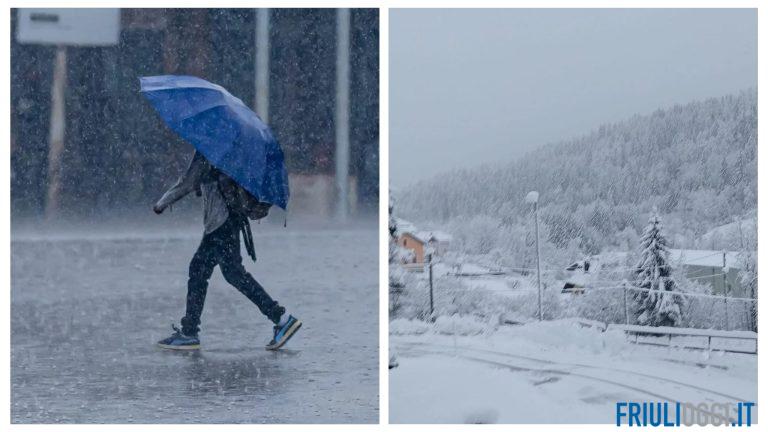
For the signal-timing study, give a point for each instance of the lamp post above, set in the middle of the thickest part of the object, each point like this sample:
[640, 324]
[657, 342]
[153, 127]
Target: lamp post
[533, 198]
[262, 64]
[343, 19]
[431, 298]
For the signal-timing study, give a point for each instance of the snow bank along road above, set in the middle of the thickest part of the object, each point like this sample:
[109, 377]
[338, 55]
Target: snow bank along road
[510, 377]
[87, 312]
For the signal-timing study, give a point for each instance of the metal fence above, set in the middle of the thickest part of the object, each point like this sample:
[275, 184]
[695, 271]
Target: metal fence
[448, 295]
[703, 311]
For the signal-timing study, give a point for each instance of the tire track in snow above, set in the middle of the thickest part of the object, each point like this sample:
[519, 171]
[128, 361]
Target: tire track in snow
[580, 365]
[516, 368]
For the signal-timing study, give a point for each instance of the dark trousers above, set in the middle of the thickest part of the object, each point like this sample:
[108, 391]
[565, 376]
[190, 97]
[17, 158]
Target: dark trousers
[222, 248]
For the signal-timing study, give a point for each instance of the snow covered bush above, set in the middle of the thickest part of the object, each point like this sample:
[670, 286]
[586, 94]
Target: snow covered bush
[396, 273]
[460, 325]
[568, 336]
[519, 303]
[748, 275]
[413, 298]
[604, 305]
[402, 327]
[716, 313]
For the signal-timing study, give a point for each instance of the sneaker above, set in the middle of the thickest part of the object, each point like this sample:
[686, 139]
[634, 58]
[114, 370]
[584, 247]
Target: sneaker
[283, 333]
[179, 341]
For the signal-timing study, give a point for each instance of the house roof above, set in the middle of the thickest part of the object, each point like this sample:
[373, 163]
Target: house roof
[441, 236]
[413, 236]
[427, 236]
[405, 226]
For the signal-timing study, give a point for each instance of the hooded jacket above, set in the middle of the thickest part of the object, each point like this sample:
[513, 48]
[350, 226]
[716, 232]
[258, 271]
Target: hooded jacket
[197, 178]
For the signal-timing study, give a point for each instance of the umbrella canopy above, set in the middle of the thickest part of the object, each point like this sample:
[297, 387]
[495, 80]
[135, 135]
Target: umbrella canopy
[231, 136]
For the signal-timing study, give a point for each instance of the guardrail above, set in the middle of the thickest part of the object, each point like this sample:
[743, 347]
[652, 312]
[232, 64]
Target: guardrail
[670, 332]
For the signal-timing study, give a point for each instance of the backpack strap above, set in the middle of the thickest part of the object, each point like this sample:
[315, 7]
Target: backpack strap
[242, 223]
[245, 227]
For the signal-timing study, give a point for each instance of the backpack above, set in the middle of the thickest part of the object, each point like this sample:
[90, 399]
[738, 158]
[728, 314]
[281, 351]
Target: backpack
[244, 206]
[240, 201]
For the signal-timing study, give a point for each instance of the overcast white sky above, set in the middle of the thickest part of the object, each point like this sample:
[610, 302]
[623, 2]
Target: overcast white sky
[472, 86]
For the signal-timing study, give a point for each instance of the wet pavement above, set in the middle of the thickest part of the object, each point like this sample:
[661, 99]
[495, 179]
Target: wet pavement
[86, 314]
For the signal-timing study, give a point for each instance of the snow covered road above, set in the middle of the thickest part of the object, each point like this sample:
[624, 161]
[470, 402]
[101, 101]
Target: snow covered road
[86, 313]
[519, 375]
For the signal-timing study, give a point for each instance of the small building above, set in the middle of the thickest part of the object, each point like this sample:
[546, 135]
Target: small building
[720, 269]
[415, 244]
[438, 241]
[421, 243]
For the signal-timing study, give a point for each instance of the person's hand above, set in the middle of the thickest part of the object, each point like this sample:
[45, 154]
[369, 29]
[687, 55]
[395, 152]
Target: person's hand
[157, 209]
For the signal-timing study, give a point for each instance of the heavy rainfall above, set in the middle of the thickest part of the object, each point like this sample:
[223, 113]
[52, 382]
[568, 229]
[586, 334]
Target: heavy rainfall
[97, 278]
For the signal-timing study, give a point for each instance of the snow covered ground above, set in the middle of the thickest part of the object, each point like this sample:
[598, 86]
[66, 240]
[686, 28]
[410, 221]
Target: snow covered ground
[87, 311]
[460, 370]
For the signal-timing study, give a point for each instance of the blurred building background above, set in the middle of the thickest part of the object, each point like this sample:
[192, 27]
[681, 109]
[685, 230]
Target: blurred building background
[119, 157]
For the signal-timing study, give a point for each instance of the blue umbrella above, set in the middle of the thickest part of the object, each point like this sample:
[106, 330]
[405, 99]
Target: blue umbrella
[231, 136]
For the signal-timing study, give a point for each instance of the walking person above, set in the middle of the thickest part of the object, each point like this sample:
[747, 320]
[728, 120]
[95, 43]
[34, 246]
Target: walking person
[220, 246]
[239, 169]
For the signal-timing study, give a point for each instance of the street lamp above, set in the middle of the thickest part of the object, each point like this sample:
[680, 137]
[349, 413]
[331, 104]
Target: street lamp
[533, 198]
[431, 298]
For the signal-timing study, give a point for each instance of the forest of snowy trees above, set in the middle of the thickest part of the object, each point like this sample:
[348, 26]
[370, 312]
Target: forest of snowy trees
[695, 163]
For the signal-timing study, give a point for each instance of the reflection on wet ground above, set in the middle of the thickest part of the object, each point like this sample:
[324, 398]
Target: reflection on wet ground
[86, 314]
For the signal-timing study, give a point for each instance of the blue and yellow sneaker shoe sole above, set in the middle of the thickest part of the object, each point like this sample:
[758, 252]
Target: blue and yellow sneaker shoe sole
[180, 342]
[283, 334]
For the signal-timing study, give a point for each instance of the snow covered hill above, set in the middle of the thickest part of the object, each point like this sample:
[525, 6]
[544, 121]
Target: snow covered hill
[695, 162]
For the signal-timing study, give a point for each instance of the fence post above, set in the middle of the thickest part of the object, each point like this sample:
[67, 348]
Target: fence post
[725, 292]
[431, 300]
[626, 306]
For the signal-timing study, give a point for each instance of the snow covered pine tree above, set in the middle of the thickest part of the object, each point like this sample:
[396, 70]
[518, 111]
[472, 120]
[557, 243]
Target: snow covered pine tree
[653, 272]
